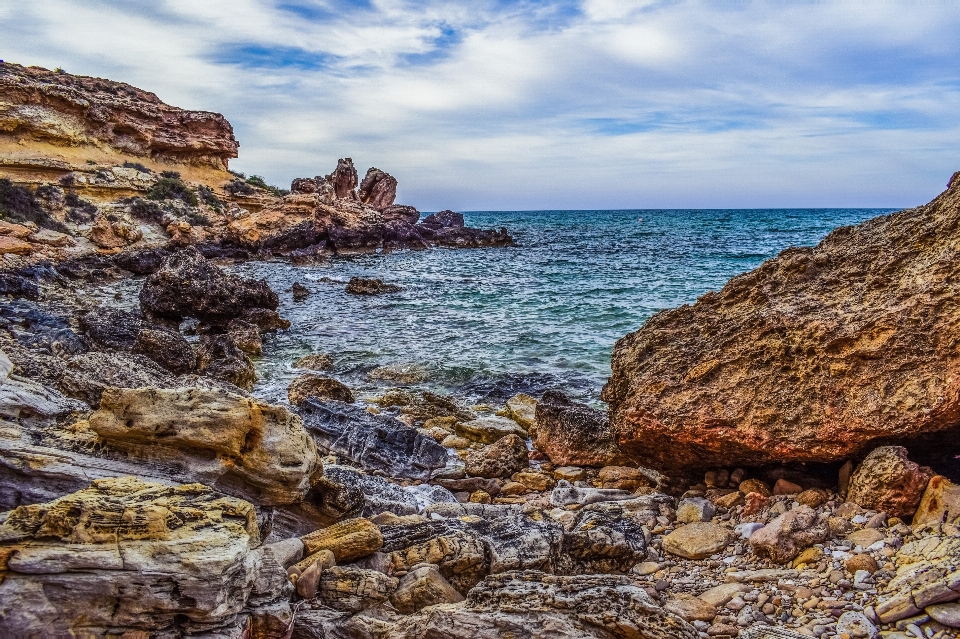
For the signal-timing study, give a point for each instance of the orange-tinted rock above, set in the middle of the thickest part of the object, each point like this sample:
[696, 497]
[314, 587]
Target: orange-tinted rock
[817, 355]
[573, 434]
[10, 244]
[73, 110]
[889, 482]
[940, 503]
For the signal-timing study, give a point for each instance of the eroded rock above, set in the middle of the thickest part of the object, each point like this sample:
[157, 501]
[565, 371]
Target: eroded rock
[573, 434]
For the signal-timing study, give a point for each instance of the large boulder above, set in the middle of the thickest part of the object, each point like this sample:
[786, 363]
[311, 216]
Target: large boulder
[817, 355]
[378, 189]
[187, 285]
[573, 434]
[887, 481]
[375, 442]
[238, 445]
[344, 178]
[126, 556]
[218, 356]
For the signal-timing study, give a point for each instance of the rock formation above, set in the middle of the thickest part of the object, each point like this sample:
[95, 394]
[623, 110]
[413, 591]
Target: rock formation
[75, 110]
[818, 355]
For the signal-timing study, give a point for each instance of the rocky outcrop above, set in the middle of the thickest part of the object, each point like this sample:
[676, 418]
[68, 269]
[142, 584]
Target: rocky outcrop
[240, 446]
[71, 110]
[127, 556]
[313, 385]
[819, 354]
[573, 434]
[928, 572]
[378, 189]
[218, 356]
[343, 179]
[186, 285]
[370, 286]
[376, 442]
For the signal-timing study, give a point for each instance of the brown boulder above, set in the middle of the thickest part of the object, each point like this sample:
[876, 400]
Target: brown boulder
[344, 178]
[501, 459]
[817, 355]
[313, 385]
[940, 503]
[889, 482]
[787, 535]
[573, 434]
[378, 189]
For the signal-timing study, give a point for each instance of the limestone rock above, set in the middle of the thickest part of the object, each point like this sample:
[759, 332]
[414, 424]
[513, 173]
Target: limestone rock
[127, 556]
[565, 494]
[698, 540]
[695, 509]
[348, 540]
[113, 234]
[887, 481]
[947, 614]
[940, 503]
[218, 356]
[604, 542]
[622, 478]
[316, 362]
[344, 178]
[376, 442]
[72, 110]
[782, 364]
[856, 624]
[526, 603]
[523, 410]
[788, 534]
[188, 286]
[690, 608]
[572, 434]
[460, 555]
[421, 587]
[489, 429]
[352, 589]
[86, 376]
[346, 492]
[928, 572]
[241, 446]
[506, 456]
[324, 388]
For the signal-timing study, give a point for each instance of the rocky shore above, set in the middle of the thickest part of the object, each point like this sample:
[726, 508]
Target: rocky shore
[778, 460]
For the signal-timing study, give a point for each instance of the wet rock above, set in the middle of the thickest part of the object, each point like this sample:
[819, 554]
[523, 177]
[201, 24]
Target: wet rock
[167, 348]
[581, 607]
[86, 376]
[928, 572]
[323, 388]
[348, 540]
[126, 555]
[565, 494]
[352, 589]
[370, 286]
[573, 434]
[300, 292]
[233, 443]
[246, 336]
[423, 586]
[405, 374]
[218, 356]
[489, 429]
[265, 319]
[317, 362]
[783, 538]
[378, 189]
[443, 220]
[886, 480]
[802, 340]
[506, 456]
[940, 503]
[697, 540]
[189, 286]
[376, 442]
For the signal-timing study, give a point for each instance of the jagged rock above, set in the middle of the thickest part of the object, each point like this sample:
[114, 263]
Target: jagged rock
[430, 405]
[344, 178]
[400, 213]
[783, 538]
[375, 442]
[565, 494]
[940, 503]
[370, 286]
[114, 234]
[167, 348]
[460, 555]
[573, 434]
[503, 458]
[348, 540]
[526, 603]
[352, 589]
[246, 336]
[189, 286]
[219, 357]
[19, 286]
[111, 327]
[87, 375]
[73, 110]
[378, 189]
[690, 608]
[698, 540]
[523, 409]
[39, 331]
[421, 587]
[265, 319]
[887, 481]
[23, 402]
[928, 572]
[238, 445]
[323, 388]
[127, 556]
[783, 363]
[488, 429]
[317, 362]
[604, 542]
[444, 220]
[300, 292]
[346, 492]
[141, 262]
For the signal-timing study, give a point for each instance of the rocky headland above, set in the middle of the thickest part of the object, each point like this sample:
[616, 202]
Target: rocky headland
[778, 460]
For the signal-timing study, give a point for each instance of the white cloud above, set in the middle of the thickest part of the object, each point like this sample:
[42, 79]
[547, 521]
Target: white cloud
[609, 104]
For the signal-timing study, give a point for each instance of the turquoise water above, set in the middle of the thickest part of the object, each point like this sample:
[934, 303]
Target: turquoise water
[487, 323]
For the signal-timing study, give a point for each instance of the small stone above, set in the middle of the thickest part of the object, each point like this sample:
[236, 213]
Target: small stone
[313, 385]
[948, 614]
[300, 292]
[316, 362]
[534, 481]
[501, 459]
[809, 556]
[784, 487]
[455, 441]
[622, 478]
[788, 534]
[856, 624]
[570, 473]
[695, 509]
[865, 538]
[720, 595]
[812, 497]
[730, 500]
[480, 497]
[861, 561]
[513, 488]
[488, 430]
[754, 486]
[645, 568]
[697, 540]
[690, 608]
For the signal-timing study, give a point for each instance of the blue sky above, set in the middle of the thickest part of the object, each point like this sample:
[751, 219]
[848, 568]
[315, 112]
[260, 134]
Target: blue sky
[536, 105]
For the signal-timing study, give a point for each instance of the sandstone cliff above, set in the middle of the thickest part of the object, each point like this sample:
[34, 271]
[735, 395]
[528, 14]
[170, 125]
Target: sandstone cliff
[818, 355]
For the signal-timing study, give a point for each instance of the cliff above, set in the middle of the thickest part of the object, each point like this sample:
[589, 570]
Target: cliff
[818, 355]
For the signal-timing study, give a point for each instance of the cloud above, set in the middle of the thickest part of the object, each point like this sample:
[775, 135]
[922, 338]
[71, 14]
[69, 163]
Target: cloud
[537, 104]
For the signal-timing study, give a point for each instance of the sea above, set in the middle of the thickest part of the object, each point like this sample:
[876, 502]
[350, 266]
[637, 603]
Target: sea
[484, 324]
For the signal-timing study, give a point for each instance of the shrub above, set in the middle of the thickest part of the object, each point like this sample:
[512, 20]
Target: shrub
[168, 188]
[195, 218]
[173, 175]
[238, 174]
[260, 183]
[145, 210]
[238, 187]
[137, 166]
[18, 204]
[209, 198]
[79, 210]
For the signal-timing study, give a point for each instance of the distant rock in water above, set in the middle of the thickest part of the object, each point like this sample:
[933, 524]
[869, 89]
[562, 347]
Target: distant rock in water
[370, 286]
[73, 110]
[818, 355]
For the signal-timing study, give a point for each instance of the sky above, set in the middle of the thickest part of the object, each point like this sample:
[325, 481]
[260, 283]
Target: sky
[597, 104]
